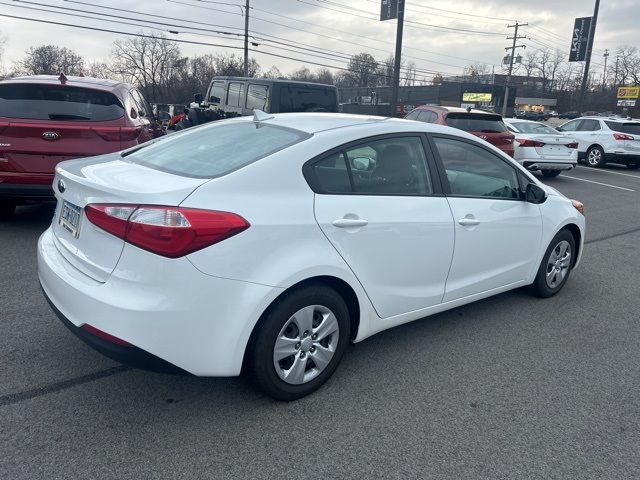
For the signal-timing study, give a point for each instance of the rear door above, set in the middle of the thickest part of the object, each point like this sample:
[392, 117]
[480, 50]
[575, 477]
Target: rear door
[42, 124]
[497, 235]
[379, 204]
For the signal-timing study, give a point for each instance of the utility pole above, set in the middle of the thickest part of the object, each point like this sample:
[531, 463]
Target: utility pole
[396, 63]
[604, 72]
[246, 39]
[512, 56]
[587, 63]
[615, 79]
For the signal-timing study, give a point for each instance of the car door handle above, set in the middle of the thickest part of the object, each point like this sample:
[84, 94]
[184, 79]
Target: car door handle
[350, 222]
[468, 222]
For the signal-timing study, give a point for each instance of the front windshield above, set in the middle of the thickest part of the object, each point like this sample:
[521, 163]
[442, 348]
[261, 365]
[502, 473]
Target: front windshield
[532, 127]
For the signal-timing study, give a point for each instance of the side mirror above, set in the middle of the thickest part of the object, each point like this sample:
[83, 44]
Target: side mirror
[197, 98]
[214, 99]
[560, 129]
[535, 194]
[362, 163]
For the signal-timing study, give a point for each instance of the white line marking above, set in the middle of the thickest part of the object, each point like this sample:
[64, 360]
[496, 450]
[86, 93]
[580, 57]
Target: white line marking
[587, 169]
[598, 183]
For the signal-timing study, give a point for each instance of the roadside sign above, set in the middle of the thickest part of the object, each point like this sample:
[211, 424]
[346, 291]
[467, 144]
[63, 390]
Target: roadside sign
[628, 92]
[626, 103]
[388, 10]
[580, 39]
[476, 97]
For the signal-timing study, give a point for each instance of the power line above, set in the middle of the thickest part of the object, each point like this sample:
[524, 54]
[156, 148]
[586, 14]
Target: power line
[192, 42]
[420, 25]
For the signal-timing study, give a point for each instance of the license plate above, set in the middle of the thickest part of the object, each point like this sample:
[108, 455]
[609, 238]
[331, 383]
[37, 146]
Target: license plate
[70, 216]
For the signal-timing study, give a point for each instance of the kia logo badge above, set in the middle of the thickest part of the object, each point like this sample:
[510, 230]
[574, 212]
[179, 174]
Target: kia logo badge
[61, 186]
[51, 136]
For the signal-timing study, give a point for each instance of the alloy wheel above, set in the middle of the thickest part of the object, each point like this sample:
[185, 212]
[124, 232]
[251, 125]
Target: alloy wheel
[306, 344]
[594, 158]
[558, 264]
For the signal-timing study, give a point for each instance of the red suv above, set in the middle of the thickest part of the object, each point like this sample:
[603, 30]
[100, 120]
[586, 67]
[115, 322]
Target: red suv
[488, 126]
[45, 119]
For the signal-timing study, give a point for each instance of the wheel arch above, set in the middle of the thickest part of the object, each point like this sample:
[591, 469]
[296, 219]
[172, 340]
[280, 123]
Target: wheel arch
[577, 236]
[345, 290]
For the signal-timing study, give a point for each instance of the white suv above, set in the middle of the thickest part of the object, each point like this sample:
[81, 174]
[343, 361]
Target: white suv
[606, 139]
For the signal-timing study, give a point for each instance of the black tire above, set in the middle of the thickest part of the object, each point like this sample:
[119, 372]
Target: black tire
[194, 117]
[595, 157]
[550, 173]
[7, 210]
[633, 166]
[540, 287]
[259, 360]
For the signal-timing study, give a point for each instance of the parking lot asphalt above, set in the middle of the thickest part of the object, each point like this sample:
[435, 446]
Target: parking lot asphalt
[509, 387]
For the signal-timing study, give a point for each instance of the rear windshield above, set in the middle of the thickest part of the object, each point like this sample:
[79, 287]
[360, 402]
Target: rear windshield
[58, 102]
[524, 127]
[629, 128]
[216, 149]
[307, 99]
[476, 122]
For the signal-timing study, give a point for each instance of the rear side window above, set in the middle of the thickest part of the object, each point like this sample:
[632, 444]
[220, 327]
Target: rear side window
[214, 150]
[58, 102]
[257, 97]
[589, 126]
[427, 116]
[628, 128]
[476, 122]
[307, 99]
[235, 94]
[391, 166]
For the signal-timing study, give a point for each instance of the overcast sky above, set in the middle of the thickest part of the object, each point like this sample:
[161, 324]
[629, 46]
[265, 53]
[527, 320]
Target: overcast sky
[343, 26]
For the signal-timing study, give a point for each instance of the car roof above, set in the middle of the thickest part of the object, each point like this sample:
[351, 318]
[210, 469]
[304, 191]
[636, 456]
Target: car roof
[102, 83]
[518, 120]
[316, 122]
[272, 80]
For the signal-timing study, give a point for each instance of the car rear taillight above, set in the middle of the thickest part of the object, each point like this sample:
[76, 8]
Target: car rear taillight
[572, 145]
[118, 134]
[168, 231]
[529, 143]
[622, 136]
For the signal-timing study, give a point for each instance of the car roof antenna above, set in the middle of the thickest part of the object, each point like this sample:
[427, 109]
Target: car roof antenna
[260, 116]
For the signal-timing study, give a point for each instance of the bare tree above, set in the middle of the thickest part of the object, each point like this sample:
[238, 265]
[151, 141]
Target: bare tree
[274, 72]
[437, 79]
[529, 62]
[324, 75]
[555, 63]
[303, 74]
[98, 69]
[50, 60]
[409, 75]
[149, 62]
[362, 69]
[476, 70]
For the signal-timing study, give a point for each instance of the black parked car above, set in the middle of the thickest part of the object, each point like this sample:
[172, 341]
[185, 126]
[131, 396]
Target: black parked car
[569, 115]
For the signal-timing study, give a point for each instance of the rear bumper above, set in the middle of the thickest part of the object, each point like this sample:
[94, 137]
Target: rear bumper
[128, 355]
[176, 317]
[548, 165]
[26, 187]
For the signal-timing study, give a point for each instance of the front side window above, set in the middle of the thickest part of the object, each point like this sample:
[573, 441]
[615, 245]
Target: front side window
[234, 94]
[217, 92]
[571, 126]
[473, 171]
[213, 150]
[391, 166]
[412, 115]
[257, 97]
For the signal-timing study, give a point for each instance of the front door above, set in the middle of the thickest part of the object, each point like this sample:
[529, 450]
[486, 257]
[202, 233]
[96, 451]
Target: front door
[497, 234]
[379, 207]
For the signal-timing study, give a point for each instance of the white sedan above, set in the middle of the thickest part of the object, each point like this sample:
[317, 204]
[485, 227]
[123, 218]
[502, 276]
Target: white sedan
[539, 147]
[271, 242]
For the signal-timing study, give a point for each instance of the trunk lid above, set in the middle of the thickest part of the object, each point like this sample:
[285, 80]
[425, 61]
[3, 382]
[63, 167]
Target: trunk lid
[37, 146]
[109, 179]
[554, 145]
